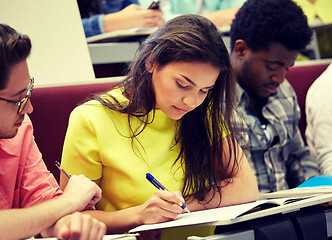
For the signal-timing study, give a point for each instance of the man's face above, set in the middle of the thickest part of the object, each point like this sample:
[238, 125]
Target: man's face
[15, 90]
[263, 71]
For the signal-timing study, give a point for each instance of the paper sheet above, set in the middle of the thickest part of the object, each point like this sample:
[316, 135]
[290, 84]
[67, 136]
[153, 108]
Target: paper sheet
[204, 216]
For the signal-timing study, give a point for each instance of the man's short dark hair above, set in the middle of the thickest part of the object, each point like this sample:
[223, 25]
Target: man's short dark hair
[14, 48]
[260, 22]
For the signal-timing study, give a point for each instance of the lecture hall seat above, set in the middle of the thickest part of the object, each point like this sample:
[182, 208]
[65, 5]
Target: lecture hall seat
[52, 107]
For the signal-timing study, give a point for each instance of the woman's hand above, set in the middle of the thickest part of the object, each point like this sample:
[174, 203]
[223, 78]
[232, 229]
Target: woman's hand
[162, 206]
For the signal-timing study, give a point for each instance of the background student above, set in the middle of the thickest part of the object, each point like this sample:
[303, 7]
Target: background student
[266, 37]
[317, 11]
[170, 117]
[99, 16]
[220, 12]
[319, 125]
[25, 183]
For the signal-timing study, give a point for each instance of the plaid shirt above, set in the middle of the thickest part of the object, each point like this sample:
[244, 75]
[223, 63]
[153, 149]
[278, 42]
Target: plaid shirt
[275, 150]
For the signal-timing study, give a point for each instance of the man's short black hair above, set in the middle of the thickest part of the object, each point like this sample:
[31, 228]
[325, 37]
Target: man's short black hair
[260, 22]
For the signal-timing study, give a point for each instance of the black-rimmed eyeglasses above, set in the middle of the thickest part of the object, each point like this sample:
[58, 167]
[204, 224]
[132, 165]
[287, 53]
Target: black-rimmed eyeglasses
[23, 102]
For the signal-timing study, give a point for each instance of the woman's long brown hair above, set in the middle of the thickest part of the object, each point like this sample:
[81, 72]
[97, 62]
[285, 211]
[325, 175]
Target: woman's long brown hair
[188, 38]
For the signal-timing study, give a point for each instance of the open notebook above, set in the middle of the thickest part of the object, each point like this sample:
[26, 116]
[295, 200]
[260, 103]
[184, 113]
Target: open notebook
[238, 213]
[313, 186]
[132, 35]
[127, 35]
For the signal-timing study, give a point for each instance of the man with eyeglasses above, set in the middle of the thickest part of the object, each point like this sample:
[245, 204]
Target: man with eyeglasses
[21, 103]
[30, 199]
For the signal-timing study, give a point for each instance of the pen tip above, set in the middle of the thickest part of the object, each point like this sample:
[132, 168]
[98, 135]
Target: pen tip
[187, 210]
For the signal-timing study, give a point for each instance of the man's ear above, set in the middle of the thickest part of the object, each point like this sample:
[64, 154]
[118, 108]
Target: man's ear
[240, 49]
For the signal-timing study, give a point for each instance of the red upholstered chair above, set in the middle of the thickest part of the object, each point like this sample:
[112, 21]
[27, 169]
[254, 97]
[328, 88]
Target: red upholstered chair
[52, 107]
[301, 78]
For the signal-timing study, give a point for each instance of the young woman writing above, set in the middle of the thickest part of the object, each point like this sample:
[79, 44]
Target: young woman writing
[171, 117]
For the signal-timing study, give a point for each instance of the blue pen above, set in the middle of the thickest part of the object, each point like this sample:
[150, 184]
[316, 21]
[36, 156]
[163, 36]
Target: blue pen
[160, 186]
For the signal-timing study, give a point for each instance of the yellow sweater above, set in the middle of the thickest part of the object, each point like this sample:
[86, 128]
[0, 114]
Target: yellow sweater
[97, 144]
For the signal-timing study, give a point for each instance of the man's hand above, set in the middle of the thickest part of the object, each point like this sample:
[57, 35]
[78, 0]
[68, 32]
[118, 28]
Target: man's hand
[79, 226]
[82, 193]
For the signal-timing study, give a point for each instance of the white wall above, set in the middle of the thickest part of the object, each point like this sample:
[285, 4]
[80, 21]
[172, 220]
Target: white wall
[59, 50]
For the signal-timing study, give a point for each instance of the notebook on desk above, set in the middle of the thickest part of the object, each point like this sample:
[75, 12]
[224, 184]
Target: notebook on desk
[133, 34]
[128, 35]
[238, 213]
[313, 186]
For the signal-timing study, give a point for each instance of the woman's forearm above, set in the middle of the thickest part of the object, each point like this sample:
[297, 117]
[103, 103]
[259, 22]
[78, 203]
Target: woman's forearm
[241, 188]
[236, 192]
[118, 221]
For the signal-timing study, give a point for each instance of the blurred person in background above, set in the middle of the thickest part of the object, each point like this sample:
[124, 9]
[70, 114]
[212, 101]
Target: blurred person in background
[319, 124]
[99, 16]
[220, 12]
[317, 11]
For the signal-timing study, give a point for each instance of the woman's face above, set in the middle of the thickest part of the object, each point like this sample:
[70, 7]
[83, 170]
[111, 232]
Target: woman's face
[180, 87]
